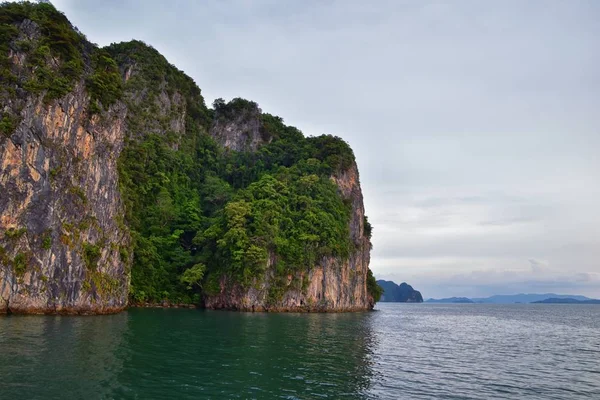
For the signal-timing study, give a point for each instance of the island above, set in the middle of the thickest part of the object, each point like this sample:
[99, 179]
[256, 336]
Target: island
[555, 300]
[403, 293]
[461, 300]
[520, 298]
[121, 186]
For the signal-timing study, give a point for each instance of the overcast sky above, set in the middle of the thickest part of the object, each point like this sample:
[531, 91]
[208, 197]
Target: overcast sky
[476, 124]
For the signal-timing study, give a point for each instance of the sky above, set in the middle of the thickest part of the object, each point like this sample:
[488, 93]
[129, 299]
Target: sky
[476, 125]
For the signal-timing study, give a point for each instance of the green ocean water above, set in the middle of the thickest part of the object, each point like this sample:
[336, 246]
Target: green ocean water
[415, 351]
[180, 353]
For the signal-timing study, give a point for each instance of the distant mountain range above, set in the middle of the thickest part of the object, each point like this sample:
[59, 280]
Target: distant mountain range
[451, 300]
[403, 293]
[515, 298]
[555, 300]
[525, 298]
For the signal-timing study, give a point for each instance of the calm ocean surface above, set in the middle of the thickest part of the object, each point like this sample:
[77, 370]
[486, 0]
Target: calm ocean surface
[402, 351]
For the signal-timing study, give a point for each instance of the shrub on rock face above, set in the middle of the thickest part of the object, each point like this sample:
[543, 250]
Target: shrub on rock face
[20, 264]
[91, 255]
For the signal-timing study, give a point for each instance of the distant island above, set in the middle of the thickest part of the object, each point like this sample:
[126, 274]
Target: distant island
[403, 293]
[525, 298]
[450, 300]
[555, 300]
[546, 298]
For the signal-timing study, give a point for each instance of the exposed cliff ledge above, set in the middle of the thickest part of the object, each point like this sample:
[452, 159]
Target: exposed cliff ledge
[237, 125]
[117, 183]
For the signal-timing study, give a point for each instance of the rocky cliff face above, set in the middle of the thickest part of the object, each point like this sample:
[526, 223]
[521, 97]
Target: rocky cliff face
[237, 126]
[60, 235]
[333, 284]
[68, 236]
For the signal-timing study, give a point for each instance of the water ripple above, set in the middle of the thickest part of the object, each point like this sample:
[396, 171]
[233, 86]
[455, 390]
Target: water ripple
[416, 351]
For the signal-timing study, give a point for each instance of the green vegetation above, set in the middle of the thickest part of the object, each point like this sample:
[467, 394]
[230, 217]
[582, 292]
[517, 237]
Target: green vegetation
[104, 85]
[15, 233]
[47, 240]
[151, 68]
[196, 212]
[78, 193]
[373, 288]
[291, 213]
[8, 32]
[368, 229]
[8, 124]
[105, 285]
[236, 108]
[86, 223]
[59, 42]
[4, 259]
[54, 173]
[124, 254]
[20, 264]
[163, 212]
[193, 276]
[233, 213]
[91, 255]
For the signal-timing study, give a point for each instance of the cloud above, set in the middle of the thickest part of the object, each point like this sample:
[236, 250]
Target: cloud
[537, 267]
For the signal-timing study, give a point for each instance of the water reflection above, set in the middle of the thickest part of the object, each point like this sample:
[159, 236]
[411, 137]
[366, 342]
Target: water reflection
[41, 355]
[245, 355]
[404, 351]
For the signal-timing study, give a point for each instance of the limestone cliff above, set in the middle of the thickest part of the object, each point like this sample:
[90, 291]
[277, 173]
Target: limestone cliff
[113, 172]
[60, 232]
[333, 284]
[237, 125]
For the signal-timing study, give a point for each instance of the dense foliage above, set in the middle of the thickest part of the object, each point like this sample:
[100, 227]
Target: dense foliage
[373, 288]
[55, 59]
[226, 213]
[198, 212]
[291, 216]
[104, 85]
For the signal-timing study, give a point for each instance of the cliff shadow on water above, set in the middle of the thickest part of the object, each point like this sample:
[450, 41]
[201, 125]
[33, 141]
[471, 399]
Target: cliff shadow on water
[120, 186]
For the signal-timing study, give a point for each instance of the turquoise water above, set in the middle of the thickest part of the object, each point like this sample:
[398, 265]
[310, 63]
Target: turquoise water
[415, 351]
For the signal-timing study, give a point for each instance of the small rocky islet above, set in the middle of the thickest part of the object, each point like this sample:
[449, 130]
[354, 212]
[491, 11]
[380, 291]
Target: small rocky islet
[402, 293]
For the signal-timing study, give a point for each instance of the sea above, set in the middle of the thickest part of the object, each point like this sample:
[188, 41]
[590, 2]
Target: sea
[398, 351]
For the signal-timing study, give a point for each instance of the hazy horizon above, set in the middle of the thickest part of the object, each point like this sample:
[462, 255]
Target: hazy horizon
[425, 297]
[475, 124]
